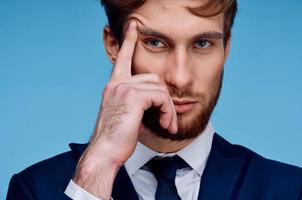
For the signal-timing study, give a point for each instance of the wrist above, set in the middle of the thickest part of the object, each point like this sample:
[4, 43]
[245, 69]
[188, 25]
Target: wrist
[96, 175]
[88, 169]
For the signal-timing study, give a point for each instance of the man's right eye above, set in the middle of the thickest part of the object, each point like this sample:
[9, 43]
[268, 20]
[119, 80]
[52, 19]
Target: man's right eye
[154, 43]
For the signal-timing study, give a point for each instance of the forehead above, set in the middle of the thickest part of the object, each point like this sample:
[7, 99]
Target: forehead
[173, 17]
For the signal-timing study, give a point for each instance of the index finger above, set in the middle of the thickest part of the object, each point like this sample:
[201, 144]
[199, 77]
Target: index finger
[122, 68]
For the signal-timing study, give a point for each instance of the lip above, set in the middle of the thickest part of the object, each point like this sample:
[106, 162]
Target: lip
[183, 105]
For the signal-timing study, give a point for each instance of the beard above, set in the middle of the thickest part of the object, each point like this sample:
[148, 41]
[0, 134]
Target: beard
[189, 127]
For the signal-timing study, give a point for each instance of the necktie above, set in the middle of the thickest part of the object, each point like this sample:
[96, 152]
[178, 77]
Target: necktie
[164, 170]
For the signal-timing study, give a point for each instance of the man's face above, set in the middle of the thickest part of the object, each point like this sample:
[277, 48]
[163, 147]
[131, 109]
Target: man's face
[187, 53]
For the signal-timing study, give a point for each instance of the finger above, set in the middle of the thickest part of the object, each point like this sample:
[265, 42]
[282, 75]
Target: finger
[160, 99]
[173, 127]
[136, 79]
[145, 78]
[168, 117]
[122, 68]
[149, 87]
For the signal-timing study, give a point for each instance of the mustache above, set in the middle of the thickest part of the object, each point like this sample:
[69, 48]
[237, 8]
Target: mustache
[184, 93]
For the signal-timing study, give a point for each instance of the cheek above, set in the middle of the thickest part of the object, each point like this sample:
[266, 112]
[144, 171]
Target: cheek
[146, 62]
[207, 71]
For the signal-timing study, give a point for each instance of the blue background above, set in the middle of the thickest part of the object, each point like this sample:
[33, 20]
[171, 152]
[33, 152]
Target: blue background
[53, 68]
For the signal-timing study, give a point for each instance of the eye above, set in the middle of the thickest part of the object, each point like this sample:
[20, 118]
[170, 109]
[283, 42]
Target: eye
[154, 43]
[202, 44]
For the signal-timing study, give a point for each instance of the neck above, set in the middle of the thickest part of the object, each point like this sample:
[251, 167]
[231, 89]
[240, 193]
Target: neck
[158, 144]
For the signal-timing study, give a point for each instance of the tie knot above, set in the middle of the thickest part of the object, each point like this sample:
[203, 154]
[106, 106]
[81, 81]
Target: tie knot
[165, 167]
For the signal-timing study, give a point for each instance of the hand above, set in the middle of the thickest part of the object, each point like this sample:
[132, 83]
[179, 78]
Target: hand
[125, 99]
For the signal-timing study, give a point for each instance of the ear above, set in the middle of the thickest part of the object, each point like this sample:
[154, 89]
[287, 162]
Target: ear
[111, 44]
[227, 47]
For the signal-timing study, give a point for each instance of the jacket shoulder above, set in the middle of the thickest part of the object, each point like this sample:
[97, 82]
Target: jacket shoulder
[61, 165]
[257, 161]
[273, 178]
[46, 178]
[51, 169]
[274, 171]
[263, 175]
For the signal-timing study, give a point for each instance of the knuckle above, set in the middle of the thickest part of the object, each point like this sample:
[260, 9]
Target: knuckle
[120, 87]
[127, 93]
[130, 93]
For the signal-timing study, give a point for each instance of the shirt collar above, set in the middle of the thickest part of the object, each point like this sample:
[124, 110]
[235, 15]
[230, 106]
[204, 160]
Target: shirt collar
[195, 154]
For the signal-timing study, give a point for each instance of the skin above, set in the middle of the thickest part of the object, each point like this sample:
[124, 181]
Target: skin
[146, 67]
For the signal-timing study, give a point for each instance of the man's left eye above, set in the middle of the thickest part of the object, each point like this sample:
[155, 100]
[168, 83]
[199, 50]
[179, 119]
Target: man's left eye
[202, 44]
[154, 43]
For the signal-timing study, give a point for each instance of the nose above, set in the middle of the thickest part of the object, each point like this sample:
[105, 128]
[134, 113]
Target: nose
[178, 73]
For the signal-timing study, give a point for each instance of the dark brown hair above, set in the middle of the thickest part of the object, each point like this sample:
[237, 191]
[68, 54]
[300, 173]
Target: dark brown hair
[117, 12]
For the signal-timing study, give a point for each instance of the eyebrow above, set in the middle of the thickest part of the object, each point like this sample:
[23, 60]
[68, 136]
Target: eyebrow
[206, 35]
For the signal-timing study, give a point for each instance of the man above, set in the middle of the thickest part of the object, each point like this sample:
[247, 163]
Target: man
[153, 138]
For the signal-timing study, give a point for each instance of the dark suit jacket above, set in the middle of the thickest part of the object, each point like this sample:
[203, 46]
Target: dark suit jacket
[232, 172]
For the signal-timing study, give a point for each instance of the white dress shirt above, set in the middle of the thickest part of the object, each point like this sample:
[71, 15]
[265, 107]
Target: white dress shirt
[187, 180]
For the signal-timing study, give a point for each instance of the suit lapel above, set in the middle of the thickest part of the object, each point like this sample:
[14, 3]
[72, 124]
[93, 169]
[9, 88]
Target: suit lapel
[123, 187]
[224, 171]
